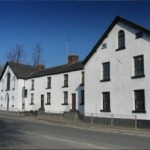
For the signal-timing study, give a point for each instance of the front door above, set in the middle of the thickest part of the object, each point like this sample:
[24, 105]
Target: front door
[73, 102]
[42, 102]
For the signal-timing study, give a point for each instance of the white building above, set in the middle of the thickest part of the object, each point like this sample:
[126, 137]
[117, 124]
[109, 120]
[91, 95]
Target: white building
[117, 73]
[57, 89]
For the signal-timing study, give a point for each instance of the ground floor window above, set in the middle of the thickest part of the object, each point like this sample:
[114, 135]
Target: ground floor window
[139, 98]
[48, 98]
[32, 99]
[65, 97]
[106, 101]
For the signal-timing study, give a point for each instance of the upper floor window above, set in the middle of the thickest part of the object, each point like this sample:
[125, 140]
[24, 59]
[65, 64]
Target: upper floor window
[32, 84]
[106, 101]
[13, 81]
[82, 78]
[105, 71]
[139, 97]
[2, 85]
[138, 66]
[121, 40]
[66, 80]
[8, 81]
[104, 45]
[138, 35]
[48, 82]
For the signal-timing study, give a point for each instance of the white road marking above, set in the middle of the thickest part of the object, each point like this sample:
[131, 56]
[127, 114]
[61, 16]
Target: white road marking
[93, 146]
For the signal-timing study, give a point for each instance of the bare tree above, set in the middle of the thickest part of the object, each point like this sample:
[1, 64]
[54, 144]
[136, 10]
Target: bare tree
[37, 55]
[16, 54]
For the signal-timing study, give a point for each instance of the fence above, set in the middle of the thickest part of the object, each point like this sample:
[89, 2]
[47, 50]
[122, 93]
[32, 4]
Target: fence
[111, 120]
[10, 112]
[101, 119]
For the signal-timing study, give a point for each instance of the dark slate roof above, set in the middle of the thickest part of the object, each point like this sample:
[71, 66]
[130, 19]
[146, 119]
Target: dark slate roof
[116, 20]
[23, 71]
[59, 69]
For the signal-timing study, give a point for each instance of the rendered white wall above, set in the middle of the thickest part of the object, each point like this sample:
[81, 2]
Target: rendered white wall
[121, 86]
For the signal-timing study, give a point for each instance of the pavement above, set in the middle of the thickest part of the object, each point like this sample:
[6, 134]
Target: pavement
[77, 124]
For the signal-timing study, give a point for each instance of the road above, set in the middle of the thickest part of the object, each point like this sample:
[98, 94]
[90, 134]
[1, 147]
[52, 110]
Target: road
[29, 134]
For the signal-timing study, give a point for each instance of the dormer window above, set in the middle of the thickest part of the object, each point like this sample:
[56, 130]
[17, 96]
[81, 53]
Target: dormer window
[8, 81]
[121, 40]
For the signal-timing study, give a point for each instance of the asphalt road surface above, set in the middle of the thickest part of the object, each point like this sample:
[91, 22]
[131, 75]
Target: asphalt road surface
[26, 134]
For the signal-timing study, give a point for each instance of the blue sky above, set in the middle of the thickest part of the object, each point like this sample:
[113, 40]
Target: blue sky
[51, 23]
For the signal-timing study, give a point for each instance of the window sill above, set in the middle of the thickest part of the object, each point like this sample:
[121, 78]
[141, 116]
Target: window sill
[139, 76]
[81, 103]
[31, 103]
[31, 89]
[48, 88]
[65, 86]
[121, 48]
[105, 110]
[65, 104]
[82, 84]
[7, 90]
[48, 104]
[139, 111]
[105, 80]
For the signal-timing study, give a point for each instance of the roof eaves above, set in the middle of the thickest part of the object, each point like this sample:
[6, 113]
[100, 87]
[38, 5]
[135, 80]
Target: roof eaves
[101, 39]
[116, 20]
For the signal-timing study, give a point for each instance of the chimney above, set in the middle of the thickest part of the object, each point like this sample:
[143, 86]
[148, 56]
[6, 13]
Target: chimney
[39, 67]
[73, 59]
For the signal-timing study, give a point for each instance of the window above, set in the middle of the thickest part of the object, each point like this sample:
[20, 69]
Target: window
[138, 67]
[121, 40]
[138, 35]
[48, 82]
[25, 93]
[32, 84]
[2, 85]
[8, 81]
[32, 99]
[65, 98]
[139, 97]
[82, 78]
[82, 97]
[104, 45]
[105, 71]
[66, 80]
[48, 98]
[106, 101]
[13, 81]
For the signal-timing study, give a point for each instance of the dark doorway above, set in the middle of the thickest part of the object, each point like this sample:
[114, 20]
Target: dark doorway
[42, 102]
[73, 102]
